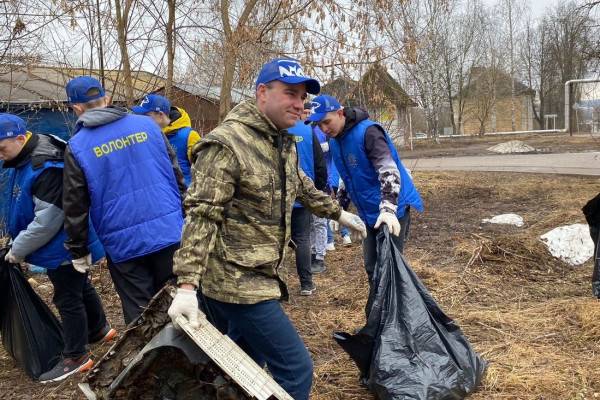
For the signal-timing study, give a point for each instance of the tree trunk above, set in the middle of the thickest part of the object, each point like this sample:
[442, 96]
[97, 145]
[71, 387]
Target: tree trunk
[227, 83]
[100, 44]
[170, 48]
[512, 68]
[122, 17]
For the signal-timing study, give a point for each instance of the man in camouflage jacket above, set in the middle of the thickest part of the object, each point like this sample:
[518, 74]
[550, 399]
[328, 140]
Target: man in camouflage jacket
[245, 181]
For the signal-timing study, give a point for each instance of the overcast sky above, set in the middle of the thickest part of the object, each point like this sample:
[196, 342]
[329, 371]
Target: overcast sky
[537, 7]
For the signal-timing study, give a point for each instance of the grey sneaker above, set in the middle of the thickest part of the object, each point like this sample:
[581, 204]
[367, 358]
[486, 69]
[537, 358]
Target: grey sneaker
[318, 267]
[308, 290]
[67, 367]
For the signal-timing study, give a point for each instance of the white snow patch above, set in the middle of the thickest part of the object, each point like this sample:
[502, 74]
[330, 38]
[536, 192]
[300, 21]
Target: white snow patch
[508, 219]
[514, 146]
[570, 243]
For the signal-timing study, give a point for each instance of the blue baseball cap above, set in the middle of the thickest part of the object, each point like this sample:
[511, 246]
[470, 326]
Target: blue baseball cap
[83, 89]
[287, 70]
[11, 126]
[153, 102]
[321, 105]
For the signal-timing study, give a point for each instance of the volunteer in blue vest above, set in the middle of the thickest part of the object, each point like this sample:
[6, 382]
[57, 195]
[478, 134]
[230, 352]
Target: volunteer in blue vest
[176, 125]
[35, 224]
[333, 178]
[121, 171]
[312, 163]
[373, 175]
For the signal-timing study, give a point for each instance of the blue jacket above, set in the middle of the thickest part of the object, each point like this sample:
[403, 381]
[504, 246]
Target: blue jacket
[333, 177]
[179, 141]
[22, 211]
[362, 180]
[135, 203]
[304, 147]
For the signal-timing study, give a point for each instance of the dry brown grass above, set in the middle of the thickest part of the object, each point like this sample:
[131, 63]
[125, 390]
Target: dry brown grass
[530, 315]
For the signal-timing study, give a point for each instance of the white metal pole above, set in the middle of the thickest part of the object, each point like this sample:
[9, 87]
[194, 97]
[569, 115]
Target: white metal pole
[410, 129]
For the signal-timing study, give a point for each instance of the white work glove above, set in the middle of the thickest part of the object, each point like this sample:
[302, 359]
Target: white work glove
[390, 219]
[333, 225]
[185, 303]
[13, 259]
[83, 264]
[353, 222]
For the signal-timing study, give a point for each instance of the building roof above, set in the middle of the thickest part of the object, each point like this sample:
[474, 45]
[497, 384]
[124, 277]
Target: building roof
[45, 85]
[213, 93]
[341, 88]
[374, 88]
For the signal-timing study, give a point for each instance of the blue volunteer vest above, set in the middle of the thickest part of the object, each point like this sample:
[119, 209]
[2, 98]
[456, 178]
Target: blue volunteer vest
[333, 177]
[179, 142]
[304, 147]
[361, 179]
[21, 214]
[135, 202]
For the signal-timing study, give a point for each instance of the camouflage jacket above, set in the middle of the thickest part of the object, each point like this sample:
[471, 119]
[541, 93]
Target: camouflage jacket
[239, 205]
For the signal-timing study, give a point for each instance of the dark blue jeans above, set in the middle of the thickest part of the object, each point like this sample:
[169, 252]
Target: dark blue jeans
[266, 334]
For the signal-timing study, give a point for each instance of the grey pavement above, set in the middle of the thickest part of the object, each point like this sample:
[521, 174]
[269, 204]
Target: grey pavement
[587, 163]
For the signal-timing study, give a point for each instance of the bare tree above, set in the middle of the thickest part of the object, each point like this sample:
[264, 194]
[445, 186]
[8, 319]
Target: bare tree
[122, 12]
[512, 13]
[462, 50]
[170, 33]
[413, 36]
[233, 36]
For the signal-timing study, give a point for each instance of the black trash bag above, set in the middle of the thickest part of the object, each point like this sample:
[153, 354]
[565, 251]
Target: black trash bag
[409, 349]
[592, 215]
[31, 333]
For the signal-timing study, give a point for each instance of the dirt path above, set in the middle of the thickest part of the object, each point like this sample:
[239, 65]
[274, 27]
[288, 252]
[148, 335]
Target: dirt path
[562, 163]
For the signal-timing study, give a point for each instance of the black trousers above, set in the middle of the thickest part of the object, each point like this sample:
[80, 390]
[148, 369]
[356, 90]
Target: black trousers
[137, 280]
[79, 307]
[301, 237]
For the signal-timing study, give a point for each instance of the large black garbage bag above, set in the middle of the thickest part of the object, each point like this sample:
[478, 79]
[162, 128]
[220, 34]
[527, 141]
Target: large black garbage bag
[592, 215]
[31, 334]
[410, 349]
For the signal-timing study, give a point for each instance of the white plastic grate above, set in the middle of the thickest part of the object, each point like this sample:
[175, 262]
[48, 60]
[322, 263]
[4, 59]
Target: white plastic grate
[233, 360]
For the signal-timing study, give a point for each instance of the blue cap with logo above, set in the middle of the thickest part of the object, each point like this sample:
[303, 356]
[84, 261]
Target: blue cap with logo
[153, 102]
[11, 126]
[322, 105]
[83, 89]
[287, 70]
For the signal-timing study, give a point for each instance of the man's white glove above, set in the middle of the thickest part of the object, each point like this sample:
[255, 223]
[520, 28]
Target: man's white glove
[390, 219]
[185, 303]
[13, 259]
[353, 222]
[83, 264]
[334, 226]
